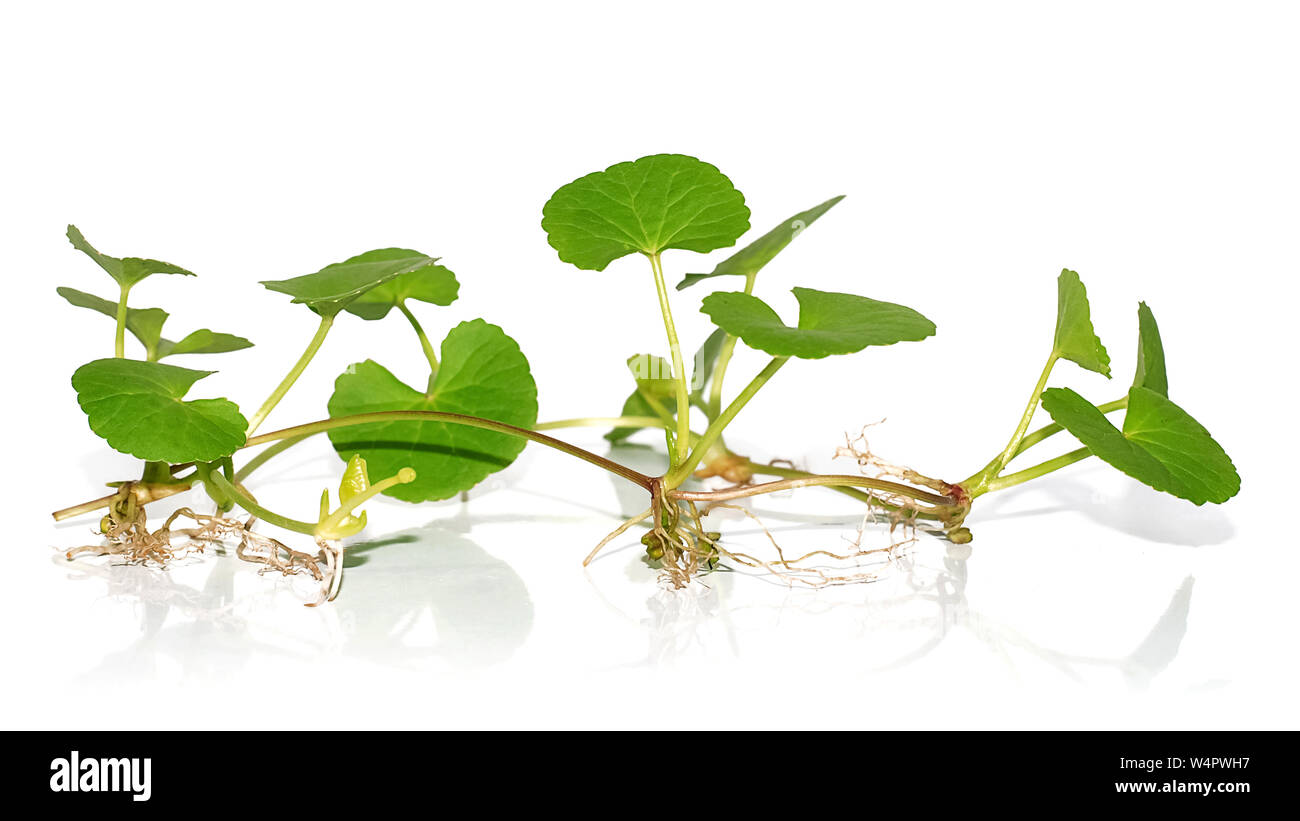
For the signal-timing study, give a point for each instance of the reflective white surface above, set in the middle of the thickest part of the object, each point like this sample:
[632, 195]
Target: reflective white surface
[480, 614]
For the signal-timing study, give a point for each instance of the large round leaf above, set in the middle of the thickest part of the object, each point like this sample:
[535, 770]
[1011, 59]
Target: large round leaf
[829, 323]
[650, 205]
[138, 408]
[482, 373]
[1161, 445]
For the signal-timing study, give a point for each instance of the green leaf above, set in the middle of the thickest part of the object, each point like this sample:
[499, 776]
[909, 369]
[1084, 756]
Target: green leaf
[431, 283]
[750, 259]
[126, 270]
[636, 405]
[706, 359]
[335, 287]
[650, 205]
[1161, 445]
[137, 406]
[654, 377]
[203, 341]
[483, 373]
[1075, 338]
[829, 323]
[1151, 354]
[145, 324]
[653, 374]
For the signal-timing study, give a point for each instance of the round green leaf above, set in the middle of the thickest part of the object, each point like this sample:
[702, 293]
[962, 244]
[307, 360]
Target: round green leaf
[334, 287]
[650, 205]
[829, 323]
[750, 259]
[482, 373]
[432, 283]
[1075, 338]
[126, 270]
[1161, 445]
[138, 408]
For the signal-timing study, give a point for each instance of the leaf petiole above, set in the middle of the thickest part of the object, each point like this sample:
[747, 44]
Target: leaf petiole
[119, 338]
[322, 331]
[605, 421]
[1004, 482]
[1046, 431]
[977, 482]
[724, 359]
[239, 497]
[683, 439]
[711, 434]
[429, 353]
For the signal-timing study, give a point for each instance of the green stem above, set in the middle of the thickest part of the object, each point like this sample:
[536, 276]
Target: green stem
[603, 422]
[852, 492]
[294, 373]
[266, 456]
[119, 338]
[424, 340]
[724, 359]
[830, 480]
[680, 473]
[683, 443]
[246, 502]
[1044, 432]
[455, 419]
[977, 482]
[665, 417]
[588, 421]
[1004, 482]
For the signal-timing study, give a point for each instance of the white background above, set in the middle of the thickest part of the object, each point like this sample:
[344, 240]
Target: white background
[1149, 146]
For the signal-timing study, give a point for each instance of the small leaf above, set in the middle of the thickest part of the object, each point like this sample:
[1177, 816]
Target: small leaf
[636, 405]
[653, 374]
[126, 270]
[432, 283]
[1151, 354]
[706, 359]
[336, 286]
[1075, 338]
[829, 323]
[650, 205]
[1161, 445]
[145, 324]
[203, 341]
[137, 406]
[750, 259]
[483, 373]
